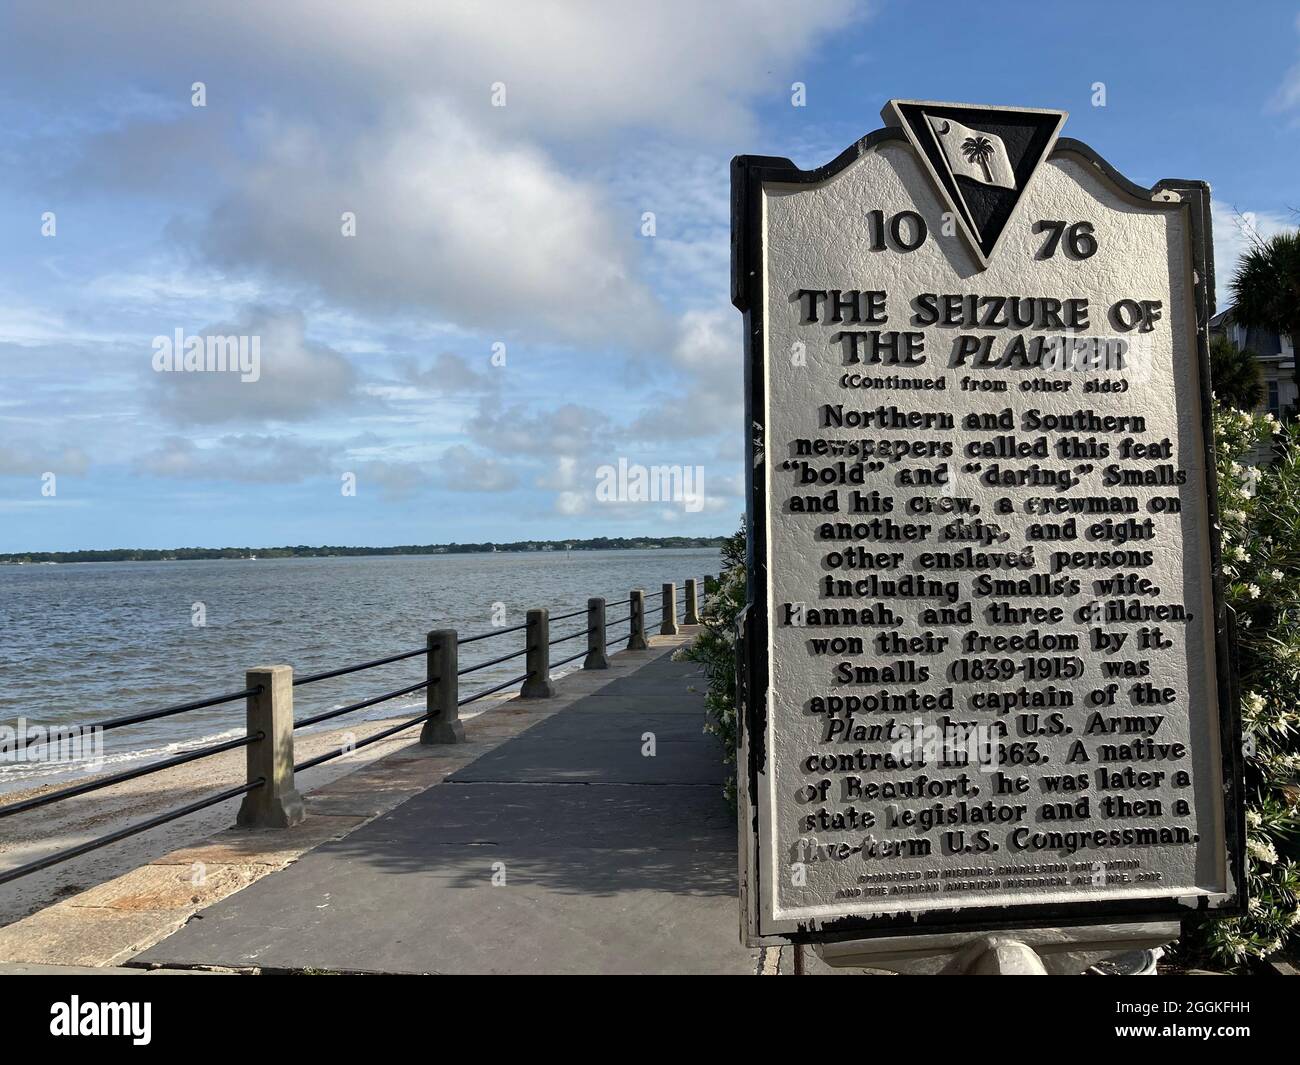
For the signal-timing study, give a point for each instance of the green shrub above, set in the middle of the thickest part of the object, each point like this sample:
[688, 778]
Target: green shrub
[1235, 373]
[715, 649]
[1260, 514]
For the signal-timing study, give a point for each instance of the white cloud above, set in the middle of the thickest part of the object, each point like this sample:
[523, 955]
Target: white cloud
[572, 504]
[567, 430]
[27, 461]
[449, 375]
[569, 66]
[474, 223]
[1288, 93]
[688, 189]
[564, 475]
[1288, 96]
[385, 109]
[246, 458]
[395, 480]
[490, 234]
[296, 378]
[465, 470]
[709, 397]
[1234, 232]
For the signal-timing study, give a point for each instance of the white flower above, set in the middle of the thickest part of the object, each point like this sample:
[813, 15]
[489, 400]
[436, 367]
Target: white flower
[1254, 703]
[1262, 851]
[1276, 575]
[1252, 590]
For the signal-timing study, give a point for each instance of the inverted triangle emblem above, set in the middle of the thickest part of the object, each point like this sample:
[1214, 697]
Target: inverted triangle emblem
[981, 159]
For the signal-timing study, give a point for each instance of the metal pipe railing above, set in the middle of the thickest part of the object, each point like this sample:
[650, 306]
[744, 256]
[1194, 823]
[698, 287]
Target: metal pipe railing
[314, 677]
[124, 833]
[129, 774]
[270, 797]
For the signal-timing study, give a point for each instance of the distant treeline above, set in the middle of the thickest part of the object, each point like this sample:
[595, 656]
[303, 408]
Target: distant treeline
[185, 554]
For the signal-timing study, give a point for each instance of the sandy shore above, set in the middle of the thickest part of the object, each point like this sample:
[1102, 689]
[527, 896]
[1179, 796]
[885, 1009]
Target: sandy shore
[28, 836]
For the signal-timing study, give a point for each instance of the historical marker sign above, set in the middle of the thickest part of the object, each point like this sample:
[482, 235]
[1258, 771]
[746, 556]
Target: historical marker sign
[986, 680]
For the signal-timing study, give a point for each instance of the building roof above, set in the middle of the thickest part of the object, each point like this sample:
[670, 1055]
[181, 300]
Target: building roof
[1265, 343]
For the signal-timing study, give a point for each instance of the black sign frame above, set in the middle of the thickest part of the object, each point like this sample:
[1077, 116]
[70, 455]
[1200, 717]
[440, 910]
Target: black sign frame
[749, 174]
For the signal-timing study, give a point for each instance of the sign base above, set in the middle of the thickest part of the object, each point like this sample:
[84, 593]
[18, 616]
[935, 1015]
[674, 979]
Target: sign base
[1061, 951]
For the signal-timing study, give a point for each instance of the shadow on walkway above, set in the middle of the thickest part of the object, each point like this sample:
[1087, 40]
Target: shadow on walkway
[569, 848]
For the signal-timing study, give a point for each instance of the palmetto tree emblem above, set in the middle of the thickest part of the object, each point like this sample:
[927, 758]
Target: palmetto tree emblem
[979, 150]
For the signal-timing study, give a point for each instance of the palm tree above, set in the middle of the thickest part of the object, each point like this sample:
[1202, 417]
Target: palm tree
[1266, 289]
[979, 150]
[1235, 375]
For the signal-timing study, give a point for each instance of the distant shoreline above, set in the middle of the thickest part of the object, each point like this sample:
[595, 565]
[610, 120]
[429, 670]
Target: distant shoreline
[193, 554]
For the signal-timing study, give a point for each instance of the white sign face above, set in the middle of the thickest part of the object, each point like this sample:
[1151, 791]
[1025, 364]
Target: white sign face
[986, 665]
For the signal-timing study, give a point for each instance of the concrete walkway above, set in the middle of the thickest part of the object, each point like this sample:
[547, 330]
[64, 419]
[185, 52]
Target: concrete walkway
[567, 849]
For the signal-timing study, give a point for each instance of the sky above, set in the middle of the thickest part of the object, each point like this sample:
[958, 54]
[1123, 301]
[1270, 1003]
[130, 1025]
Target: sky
[483, 247]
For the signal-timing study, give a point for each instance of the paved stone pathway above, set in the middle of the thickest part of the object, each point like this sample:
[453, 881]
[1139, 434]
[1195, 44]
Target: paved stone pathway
[564, 850]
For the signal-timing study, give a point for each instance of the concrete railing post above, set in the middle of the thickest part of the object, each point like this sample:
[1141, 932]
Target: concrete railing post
[276, 804]
[596, 657]
[692, 603]
[537, 685]
[668, 622]
[443, 724]
[636, 637]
